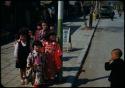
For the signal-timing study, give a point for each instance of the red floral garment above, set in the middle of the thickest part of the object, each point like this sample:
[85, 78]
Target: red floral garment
[53, 60]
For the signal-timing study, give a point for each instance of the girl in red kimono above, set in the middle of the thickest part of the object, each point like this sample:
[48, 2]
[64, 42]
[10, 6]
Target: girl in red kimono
[53, 56]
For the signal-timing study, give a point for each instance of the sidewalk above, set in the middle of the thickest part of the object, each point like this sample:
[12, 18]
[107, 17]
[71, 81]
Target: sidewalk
[71, 61]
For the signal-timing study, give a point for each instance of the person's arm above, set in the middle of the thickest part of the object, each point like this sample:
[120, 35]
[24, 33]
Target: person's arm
[108, 65]
[29, 60]
[16, 51]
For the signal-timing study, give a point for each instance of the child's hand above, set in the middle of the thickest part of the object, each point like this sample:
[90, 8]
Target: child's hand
[110, 61]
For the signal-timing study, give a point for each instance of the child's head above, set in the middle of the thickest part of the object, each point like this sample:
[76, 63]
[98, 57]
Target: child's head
[23, 33]
[116, 53]
[44, 25]
[37, 45]
[51, 36]
[22, 37]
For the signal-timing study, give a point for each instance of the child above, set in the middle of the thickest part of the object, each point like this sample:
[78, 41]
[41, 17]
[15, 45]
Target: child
[116, 65]
[35, 61]
[53, 56]
[42, 31]
[20, 53]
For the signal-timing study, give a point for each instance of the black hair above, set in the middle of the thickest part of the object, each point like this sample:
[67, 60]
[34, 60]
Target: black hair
[50, 34]
[23, 31]
[117, 52]
[43, 21]
[37, 43]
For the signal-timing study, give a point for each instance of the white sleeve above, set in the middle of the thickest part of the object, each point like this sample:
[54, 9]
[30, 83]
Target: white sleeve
[29, 59]
[16, 50]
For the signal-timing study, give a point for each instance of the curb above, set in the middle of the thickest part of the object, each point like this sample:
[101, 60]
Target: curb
[83, 56]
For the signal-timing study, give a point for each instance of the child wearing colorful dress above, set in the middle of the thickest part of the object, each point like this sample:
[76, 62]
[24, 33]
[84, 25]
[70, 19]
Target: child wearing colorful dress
[42, 30]
[53, 56]
[36, 61]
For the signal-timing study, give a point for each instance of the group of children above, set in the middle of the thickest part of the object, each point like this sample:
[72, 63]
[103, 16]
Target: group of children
[38, 55]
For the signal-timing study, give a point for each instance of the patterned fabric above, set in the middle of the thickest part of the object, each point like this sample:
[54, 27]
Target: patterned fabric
[34, 61]
[53, 60]
[39, 35]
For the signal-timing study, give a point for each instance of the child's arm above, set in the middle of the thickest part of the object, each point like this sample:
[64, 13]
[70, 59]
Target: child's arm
[108, 65]
[16, 51]
[29, 60]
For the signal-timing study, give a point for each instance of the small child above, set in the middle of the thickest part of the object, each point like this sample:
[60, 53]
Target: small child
[35, 61]
[116, 65]
[53, 56]
[42, 30]
[21, 53]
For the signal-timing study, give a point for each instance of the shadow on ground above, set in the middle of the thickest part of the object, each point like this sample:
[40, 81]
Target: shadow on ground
[68, 58]
[67, 79]
[79, 82]
[70, 68]
[75, 49]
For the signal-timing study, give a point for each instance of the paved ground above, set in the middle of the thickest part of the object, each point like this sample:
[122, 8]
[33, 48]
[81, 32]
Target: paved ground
[73, 59]
[109, 35]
